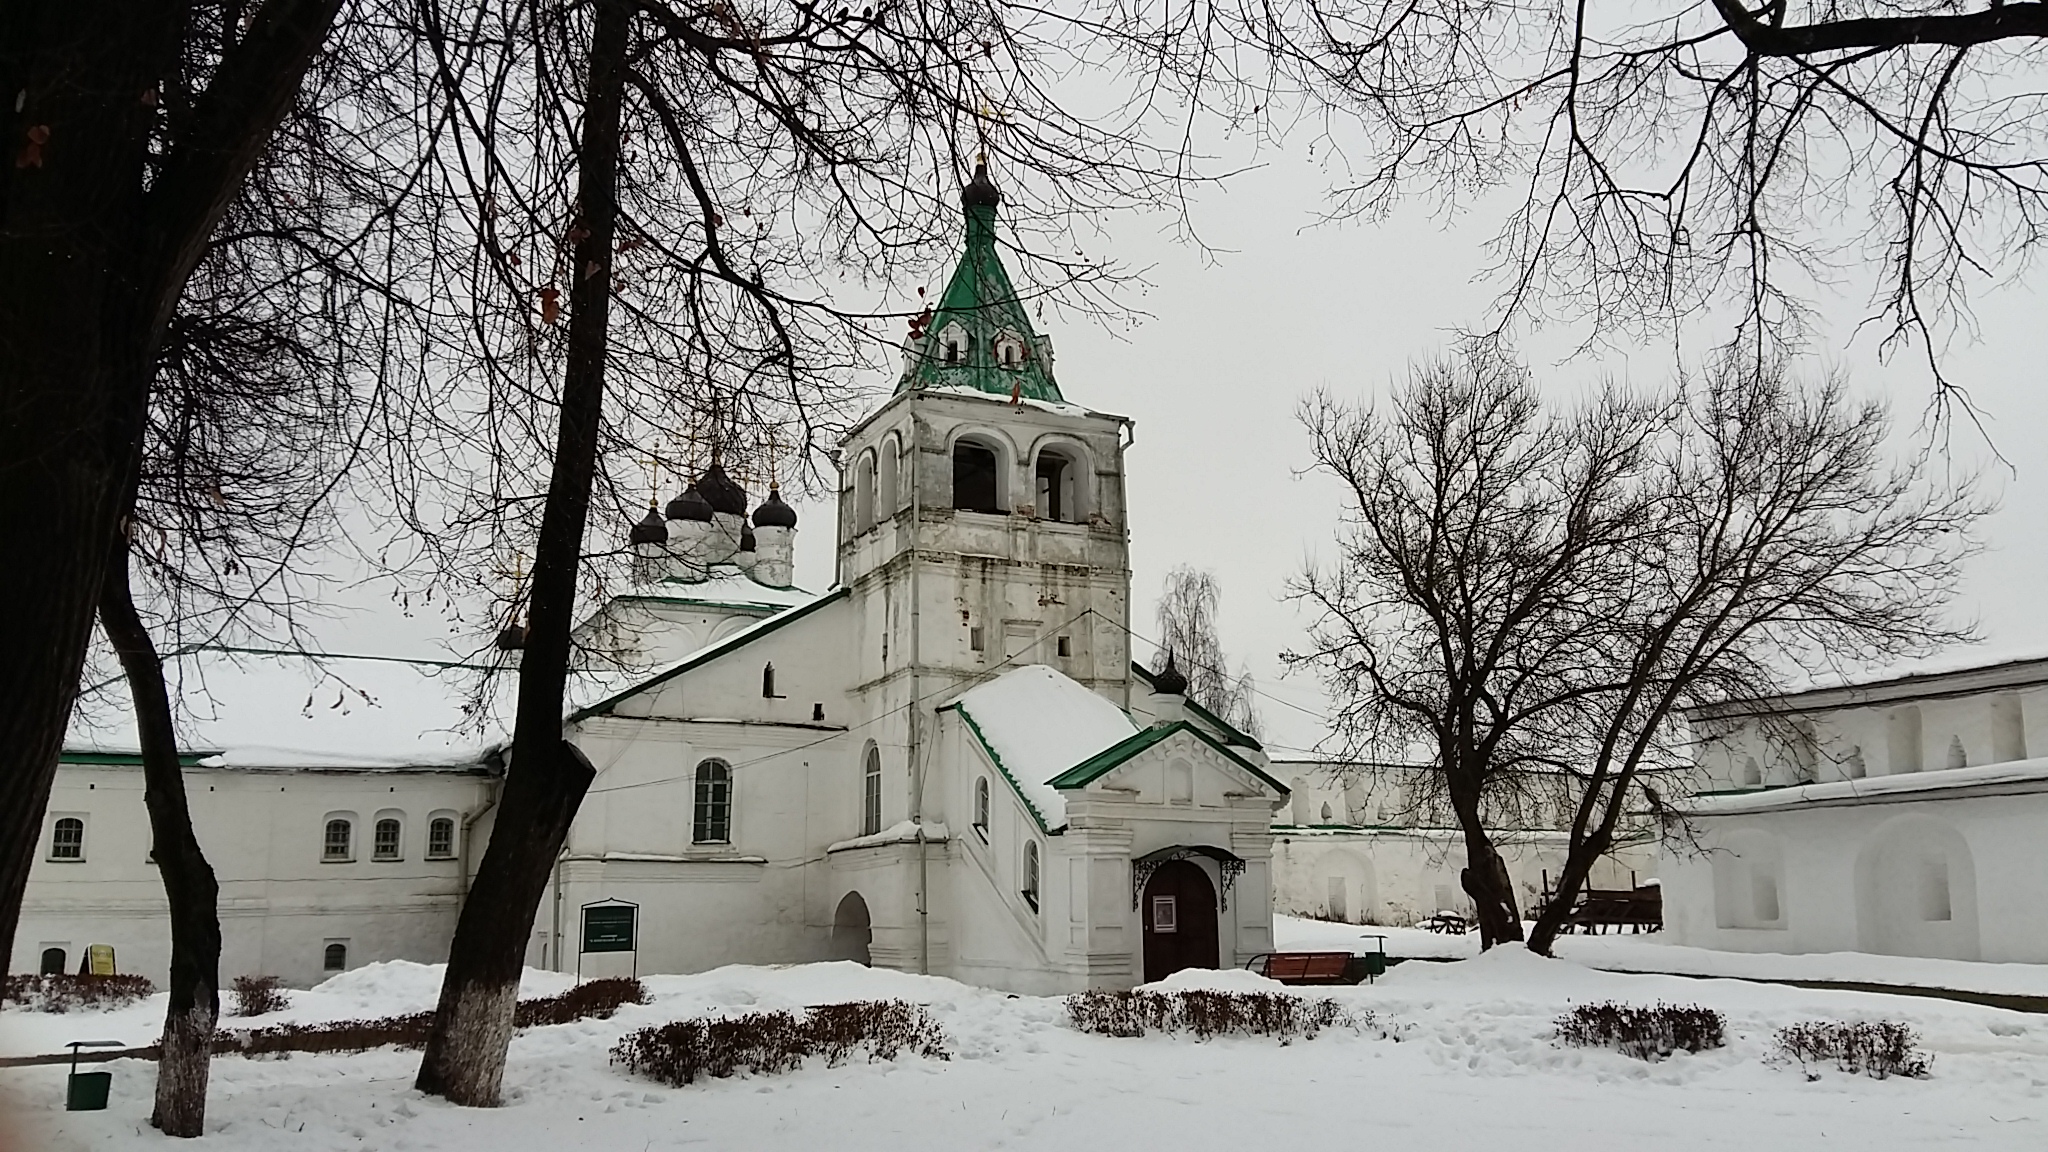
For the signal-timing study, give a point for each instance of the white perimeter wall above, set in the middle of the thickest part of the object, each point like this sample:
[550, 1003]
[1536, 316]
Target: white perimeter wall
[1955, 878]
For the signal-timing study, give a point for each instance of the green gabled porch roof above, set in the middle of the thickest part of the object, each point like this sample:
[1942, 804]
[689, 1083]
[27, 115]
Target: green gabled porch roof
[704, 656]
[1095, 767]
[126, 759]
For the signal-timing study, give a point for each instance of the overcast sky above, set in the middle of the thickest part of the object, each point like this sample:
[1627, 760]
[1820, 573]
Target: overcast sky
[1212, 373]
[1216, 353]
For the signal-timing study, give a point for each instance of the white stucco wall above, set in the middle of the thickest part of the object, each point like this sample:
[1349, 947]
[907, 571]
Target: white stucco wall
[281, 903]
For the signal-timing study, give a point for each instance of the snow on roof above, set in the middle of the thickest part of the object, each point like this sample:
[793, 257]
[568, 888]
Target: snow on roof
[594, 691]
[1038, 723]
[1876, 789]
[727, 584]
[282, 710]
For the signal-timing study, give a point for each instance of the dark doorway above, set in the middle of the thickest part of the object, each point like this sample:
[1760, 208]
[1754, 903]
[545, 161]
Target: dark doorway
[1179, 908]
[850, 931]
[974, 478]
[1052, 483]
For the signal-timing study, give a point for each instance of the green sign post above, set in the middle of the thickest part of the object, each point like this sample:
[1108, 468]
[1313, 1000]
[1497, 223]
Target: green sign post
[609, 927]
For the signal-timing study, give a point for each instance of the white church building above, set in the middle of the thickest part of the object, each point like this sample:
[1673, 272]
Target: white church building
[1902, 816]
[947, 763]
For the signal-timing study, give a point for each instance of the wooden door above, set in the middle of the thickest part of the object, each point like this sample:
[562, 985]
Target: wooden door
[1179, 908]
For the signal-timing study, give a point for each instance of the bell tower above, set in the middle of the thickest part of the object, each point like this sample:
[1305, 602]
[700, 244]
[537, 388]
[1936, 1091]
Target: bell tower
[982, 519]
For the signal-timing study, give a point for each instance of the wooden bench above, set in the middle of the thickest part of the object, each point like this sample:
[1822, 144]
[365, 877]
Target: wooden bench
[1450, 922]
[1319, 967]
[1598, 909]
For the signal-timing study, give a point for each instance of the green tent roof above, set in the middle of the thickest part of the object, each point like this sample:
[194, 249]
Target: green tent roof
[979, 335]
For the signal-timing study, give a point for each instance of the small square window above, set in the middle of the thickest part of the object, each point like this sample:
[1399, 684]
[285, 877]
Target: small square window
[1066, 645]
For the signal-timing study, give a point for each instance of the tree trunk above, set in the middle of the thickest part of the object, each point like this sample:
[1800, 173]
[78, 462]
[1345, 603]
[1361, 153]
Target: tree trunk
[1578, 865]
[70, 214]
[92, 262]
[547, 776]
[189, 884]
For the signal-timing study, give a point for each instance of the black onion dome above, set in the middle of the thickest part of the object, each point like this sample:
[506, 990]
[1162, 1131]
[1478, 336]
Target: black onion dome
[746, 539]
[773, 513]
[724, 495]
[650, 529]
[691, 505]
[981, 192]
[1169, 681]
[512, 637]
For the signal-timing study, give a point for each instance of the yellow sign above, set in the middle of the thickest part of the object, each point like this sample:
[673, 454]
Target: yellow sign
[99, 959]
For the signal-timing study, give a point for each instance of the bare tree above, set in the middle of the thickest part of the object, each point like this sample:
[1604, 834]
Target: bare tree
[1664, 159]
[109, 202]
[1785, 541]
[1188, 605]
[1536, 596]
[684, 185]
[1456, 605]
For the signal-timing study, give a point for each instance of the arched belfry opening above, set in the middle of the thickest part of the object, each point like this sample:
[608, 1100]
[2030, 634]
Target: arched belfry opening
[977, 478]
[851, 931]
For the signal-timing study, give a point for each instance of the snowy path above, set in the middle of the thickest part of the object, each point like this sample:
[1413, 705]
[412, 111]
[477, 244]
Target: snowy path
[1475, 1067]
[1649, 953]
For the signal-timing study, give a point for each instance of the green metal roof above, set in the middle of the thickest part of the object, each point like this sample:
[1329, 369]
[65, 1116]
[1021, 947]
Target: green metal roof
[1231, 735]
[1098, 765]
[125, 759]
[980, 304]
[736, 641]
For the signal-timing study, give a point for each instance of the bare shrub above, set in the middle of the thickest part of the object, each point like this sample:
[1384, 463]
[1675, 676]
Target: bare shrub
[592, 998]
[772, 1042]
[1645, 1033]
[61, 993]
[1207, 1013]
[259, 996]
[408, 1031]
[1875, 1048]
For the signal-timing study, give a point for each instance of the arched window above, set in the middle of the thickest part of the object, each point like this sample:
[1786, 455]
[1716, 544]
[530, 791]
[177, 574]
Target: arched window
[1327, 814]
[53, 962]
[1752, 776]
[1031, 874]
[1957, 756]
[337, 843]
[67, 838]
[1010, 352]
[953, 344]
[768, 681]
[871, 792]
[334, 958]
[712, 823]
[864, 493]
[887, 494]
[981, 806]
[1056, 478]
[441, 838]
[384, 839]
[976, 478]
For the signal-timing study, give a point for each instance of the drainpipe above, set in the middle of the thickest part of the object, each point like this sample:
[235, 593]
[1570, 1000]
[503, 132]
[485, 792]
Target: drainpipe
[469, 820]
[924, 910]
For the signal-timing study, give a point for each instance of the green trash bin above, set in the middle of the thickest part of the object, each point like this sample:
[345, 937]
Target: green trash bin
[87, 1091]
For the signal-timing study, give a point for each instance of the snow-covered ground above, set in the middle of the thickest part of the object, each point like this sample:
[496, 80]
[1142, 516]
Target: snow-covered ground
[1473, 1066]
